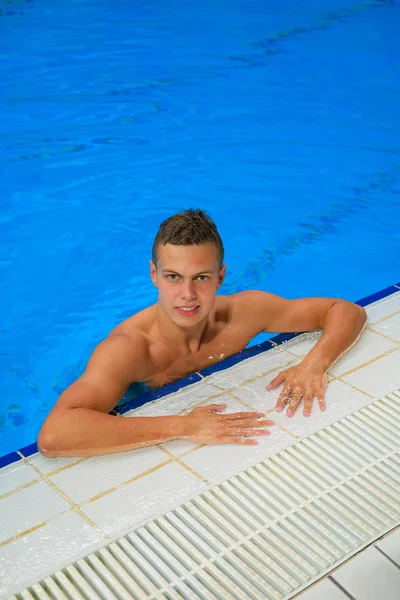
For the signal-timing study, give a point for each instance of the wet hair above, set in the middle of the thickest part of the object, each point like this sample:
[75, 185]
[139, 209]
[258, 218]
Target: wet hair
[187, 228]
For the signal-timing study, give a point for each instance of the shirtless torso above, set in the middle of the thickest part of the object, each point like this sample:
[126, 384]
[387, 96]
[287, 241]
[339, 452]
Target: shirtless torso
[225, 333]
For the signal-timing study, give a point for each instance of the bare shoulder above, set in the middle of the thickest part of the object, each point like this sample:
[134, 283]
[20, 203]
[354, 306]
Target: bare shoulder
[255, 299]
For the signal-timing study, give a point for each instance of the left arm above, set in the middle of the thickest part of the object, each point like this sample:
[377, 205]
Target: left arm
[342, 323]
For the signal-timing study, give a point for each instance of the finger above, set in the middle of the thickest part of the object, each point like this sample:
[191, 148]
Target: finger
[229, 439]
[255, 423]
[308, 401]
[215, 407]
[283, 397]
[244, 432]
[321, 399]
[295, 400]
[243, 415]
[276, 381]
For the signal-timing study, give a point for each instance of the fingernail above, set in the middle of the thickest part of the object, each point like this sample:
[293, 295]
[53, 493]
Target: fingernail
[269, 387]
[306, 413]
[289, 414]
[267, 433]
[279, 409]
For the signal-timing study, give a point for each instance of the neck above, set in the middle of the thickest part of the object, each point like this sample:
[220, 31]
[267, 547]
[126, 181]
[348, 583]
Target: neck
[188, 337]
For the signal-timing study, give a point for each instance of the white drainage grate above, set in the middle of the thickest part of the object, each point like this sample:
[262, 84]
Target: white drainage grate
[267, 532]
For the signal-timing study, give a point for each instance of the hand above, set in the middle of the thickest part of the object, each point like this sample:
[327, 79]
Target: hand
[300, 383]
[206, 426]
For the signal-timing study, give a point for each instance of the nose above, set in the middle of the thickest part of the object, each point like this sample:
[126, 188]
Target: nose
[188, 291]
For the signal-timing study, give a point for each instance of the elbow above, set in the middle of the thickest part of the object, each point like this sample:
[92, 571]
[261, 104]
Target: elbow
[362, 315]
[49, 442]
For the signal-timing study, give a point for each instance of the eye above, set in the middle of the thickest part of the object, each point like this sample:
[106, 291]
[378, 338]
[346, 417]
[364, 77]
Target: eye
[172, 276]
[203, 277]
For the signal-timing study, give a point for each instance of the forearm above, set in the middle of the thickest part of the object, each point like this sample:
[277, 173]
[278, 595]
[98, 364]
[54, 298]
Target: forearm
[86, 432]
[343, 326]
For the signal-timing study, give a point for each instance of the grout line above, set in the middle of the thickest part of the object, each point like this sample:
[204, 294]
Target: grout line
[197, 447]
[341, 588]
[355, 388]
[382, 335]
[27, 531]
[122, 484]
[188, 409]
[369, 362]
[56, 471]
[180, 462]
[72, 504]
[388, 557]
[17, 489]
[383, 318]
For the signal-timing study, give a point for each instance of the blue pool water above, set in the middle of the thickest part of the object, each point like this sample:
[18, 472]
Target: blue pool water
[280, 118]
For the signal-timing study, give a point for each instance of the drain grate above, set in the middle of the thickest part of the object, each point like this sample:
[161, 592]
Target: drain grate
[266, 533]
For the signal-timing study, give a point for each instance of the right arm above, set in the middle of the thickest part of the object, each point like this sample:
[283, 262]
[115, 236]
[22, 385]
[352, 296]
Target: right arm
[79, 423]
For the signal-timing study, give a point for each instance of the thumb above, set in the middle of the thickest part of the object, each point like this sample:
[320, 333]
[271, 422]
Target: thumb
[280, 378]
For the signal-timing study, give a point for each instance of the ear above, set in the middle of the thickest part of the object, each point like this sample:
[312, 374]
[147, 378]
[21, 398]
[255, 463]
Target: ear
[153, 272]
[221, 275]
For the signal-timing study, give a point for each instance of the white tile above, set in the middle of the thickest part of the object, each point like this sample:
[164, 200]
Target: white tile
[390, 545]
[256, 395]
[323, 589]
[179, 447]
[100, 473]
[145, 498]
[381, 309]
[36, 555]
[389, 327]
[176, 402]
[369, 576]
[217, 462]
[368, 347]
[378, 378]
[15, 475]
[48, 465]
[29, 507]
[302, 344]
[249, 368]
[341, 400]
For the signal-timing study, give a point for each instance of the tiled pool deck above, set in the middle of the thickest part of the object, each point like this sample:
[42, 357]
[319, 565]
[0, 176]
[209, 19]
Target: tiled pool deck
[53, 511]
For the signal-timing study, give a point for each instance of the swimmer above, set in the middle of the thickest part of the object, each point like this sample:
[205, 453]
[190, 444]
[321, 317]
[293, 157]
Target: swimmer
[189, 328]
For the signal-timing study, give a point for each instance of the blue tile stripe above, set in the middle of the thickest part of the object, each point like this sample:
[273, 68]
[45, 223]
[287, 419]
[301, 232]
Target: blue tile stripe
[379, 295]
[195, 377]
[8, 459]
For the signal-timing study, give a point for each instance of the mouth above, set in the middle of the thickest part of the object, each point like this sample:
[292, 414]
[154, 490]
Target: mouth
[187, 311]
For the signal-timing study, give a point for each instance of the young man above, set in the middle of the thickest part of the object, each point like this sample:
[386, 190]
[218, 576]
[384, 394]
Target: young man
[188, 329]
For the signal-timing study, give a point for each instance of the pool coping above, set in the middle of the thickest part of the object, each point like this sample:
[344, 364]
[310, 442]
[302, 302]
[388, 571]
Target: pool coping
[26, 451]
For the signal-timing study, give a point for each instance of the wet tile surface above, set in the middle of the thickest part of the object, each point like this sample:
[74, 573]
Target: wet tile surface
[144, 498]
[379, 377]
[15, 475]
[100, 473]
[27, 508]
[24, 561]
[370, 346]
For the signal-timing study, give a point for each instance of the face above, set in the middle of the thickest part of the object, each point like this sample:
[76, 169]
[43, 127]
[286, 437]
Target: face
[187, 278]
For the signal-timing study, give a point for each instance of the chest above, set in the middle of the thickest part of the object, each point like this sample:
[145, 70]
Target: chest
[169, 366]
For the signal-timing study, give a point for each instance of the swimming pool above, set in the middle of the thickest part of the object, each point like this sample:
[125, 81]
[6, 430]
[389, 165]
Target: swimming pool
[282, 121]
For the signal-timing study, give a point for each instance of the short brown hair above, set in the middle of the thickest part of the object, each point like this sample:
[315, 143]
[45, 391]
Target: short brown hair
[187, 228]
